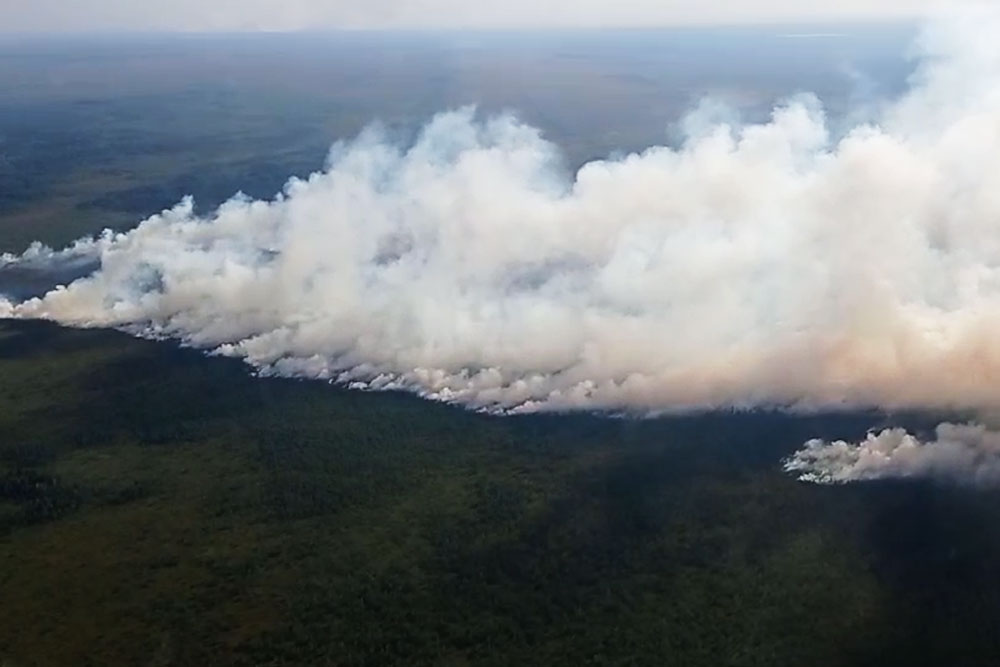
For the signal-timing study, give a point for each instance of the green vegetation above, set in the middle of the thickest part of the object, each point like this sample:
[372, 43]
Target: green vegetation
[162, 508]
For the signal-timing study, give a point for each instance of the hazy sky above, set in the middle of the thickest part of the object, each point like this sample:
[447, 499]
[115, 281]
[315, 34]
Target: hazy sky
[206, 15]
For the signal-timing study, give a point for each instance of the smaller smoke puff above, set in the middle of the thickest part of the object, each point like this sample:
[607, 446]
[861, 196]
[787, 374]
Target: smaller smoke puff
[961, 453]
[41, 256]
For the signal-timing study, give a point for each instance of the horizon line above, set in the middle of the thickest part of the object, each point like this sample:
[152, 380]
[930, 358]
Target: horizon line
[847, 23]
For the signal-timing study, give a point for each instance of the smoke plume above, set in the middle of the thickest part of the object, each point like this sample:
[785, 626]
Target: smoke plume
[962, 453]
[759, 265]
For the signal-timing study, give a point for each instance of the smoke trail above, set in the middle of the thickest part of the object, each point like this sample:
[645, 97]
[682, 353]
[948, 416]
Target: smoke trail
[762, 265]
[960, 453]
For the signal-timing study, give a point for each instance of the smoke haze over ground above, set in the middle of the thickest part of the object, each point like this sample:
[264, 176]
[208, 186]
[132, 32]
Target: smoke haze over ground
[228, 15]
[769, 265]
[965, 453]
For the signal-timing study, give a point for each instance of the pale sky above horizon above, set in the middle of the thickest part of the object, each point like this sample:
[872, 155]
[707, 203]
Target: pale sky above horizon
[290, 15]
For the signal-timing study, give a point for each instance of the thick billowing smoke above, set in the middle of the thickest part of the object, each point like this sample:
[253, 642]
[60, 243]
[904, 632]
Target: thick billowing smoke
[762, 265]
[959, 453]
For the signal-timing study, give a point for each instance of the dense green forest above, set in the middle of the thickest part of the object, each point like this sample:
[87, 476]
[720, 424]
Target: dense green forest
[159, 507]
[162, 508]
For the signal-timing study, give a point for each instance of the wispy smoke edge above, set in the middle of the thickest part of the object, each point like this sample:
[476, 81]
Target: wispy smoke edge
[759, 265]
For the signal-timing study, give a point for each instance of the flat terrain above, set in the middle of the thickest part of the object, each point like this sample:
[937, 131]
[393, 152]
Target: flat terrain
[101, 133]
[159, 507]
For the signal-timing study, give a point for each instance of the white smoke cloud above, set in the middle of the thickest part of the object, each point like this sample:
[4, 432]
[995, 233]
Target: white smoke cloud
[39, 256]
[965, 453]
[759, 265]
